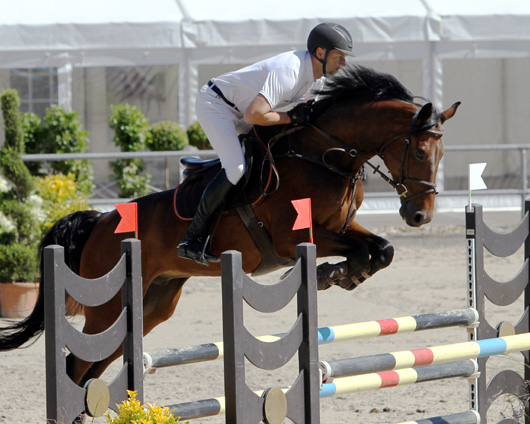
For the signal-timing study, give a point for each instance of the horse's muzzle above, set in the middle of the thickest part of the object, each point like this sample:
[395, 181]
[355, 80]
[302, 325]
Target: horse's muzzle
[414, 216]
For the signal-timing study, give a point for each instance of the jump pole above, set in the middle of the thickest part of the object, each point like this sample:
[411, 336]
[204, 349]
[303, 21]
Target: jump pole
[366, 382]
[468, 417]
[426, 356]
[384, 379]
[340, 333]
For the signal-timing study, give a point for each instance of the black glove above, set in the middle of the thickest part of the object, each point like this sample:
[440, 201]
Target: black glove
[301, 113]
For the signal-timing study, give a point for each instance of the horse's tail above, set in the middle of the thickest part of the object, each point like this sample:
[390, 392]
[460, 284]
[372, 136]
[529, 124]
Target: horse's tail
[72, 233]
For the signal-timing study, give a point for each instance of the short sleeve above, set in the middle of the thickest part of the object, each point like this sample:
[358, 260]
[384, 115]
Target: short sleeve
[278, 86]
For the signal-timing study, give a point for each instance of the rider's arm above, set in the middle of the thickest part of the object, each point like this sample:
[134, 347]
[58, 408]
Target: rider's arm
[259, 112]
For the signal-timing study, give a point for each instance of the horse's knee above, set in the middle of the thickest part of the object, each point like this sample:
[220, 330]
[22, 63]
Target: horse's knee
[358, 262]
[383, 256]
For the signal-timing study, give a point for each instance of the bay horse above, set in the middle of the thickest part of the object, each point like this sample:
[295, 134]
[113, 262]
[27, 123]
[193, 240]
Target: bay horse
[360, 114]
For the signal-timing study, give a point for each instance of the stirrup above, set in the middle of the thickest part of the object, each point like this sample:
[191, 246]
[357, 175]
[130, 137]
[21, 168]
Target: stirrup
[196, 250]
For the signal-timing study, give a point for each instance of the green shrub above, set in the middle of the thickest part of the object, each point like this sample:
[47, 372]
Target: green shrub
[130, 127]
[18, 240]
[130, 135]
[166, 135]
[14, 136]
[18, 263]
[24, 214]
[62, 133]
[16, 171]
[197, 137]
[33, 143]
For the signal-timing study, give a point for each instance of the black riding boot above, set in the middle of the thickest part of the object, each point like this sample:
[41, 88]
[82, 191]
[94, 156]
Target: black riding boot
[194, 245]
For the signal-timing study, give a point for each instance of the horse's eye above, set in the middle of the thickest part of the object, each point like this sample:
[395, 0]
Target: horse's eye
[420, 155]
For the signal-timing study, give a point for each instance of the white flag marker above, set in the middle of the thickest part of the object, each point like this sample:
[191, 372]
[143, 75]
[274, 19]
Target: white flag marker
[475, 178]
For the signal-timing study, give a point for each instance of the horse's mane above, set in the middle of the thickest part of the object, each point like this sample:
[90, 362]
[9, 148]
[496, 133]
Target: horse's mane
[362, 85]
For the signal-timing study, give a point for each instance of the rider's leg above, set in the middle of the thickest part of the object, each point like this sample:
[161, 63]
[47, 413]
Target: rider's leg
[194, 245]
[219, 122]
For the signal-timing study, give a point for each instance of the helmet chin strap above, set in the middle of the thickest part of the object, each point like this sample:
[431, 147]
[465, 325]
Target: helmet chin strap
[323, 61]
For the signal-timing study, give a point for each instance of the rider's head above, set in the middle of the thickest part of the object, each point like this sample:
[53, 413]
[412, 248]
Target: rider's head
[325, 38]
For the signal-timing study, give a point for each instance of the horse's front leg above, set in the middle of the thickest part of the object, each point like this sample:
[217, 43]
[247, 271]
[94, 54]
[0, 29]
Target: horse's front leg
[344, 274]
[352, 272]
[381, 253]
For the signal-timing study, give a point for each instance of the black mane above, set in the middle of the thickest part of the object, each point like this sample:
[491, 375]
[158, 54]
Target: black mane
[362, 85]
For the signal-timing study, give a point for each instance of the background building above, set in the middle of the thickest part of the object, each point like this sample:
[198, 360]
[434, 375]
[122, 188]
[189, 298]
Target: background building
[86, 56]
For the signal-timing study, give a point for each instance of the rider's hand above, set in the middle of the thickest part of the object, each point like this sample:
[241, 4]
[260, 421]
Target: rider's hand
[301, 113]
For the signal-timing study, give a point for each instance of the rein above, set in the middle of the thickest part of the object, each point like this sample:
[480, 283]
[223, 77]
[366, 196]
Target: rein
[398, 186]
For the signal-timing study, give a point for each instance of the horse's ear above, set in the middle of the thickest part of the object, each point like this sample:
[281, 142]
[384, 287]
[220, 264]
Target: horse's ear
[449, 113]
[423, 116]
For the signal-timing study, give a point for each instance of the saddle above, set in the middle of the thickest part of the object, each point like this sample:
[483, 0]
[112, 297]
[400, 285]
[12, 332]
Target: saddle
[259, 181]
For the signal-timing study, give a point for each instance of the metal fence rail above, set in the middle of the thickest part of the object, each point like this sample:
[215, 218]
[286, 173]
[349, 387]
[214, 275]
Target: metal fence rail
[522, 191]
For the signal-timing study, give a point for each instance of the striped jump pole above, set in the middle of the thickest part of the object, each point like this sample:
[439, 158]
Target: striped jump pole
[340, 333]
[468, 417]
[373, 381]
[384, 379]
[426, 356]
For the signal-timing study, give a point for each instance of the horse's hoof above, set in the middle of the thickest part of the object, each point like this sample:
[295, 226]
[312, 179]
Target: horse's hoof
[353, 282]
[350, 284]
[330, 274]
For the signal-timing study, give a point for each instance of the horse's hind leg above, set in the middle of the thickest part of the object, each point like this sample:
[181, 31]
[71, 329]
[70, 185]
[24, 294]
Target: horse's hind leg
[159, 304]
[161, 300]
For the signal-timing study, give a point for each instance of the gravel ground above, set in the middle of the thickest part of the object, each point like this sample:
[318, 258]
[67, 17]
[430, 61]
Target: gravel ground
[428, 275]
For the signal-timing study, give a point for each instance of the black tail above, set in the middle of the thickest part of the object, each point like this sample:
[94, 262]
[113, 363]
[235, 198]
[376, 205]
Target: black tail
[72, 233]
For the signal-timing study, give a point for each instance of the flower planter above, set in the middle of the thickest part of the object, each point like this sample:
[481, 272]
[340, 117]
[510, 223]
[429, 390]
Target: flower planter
[17, 300]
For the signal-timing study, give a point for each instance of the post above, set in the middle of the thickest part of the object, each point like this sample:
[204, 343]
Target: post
[300, 402]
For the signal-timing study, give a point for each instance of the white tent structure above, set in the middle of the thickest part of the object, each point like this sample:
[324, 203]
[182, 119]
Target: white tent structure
[446, 50]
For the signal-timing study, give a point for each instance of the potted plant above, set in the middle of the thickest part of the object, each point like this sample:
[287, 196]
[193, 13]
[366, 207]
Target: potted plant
[18, 238]
[29, 206]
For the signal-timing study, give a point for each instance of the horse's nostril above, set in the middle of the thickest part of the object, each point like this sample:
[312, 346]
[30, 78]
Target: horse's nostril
[418, 218]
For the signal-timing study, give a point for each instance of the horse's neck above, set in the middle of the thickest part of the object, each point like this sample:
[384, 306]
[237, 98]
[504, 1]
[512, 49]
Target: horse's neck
[371, 125]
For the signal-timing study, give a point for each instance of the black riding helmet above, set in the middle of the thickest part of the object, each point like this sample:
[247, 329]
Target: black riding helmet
[329, 36]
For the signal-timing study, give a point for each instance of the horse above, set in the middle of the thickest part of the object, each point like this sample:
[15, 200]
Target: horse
[360, 113]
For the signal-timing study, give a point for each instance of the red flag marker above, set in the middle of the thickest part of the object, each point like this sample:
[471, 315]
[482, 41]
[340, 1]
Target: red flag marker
[129, 218]
[304, 218]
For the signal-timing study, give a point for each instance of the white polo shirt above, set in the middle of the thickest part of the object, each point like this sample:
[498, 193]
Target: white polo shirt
[284, 80]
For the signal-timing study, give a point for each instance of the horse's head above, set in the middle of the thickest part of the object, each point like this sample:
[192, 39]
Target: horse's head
[366, 113]
[412, 159]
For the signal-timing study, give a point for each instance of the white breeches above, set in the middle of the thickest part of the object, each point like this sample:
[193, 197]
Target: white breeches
[222, 124]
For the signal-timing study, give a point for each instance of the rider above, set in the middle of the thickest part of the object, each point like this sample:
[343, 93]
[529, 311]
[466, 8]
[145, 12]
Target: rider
[231, 103]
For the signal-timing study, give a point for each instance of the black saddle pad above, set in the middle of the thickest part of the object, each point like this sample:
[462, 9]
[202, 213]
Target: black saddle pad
[250, 190]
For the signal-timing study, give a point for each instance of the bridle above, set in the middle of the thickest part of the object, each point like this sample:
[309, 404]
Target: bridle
[400, 185]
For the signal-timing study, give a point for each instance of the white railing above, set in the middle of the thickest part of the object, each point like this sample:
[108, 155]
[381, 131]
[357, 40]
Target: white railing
[522, 191]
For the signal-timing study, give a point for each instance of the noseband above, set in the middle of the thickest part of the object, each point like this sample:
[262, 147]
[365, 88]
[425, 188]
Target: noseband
[399, 185]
